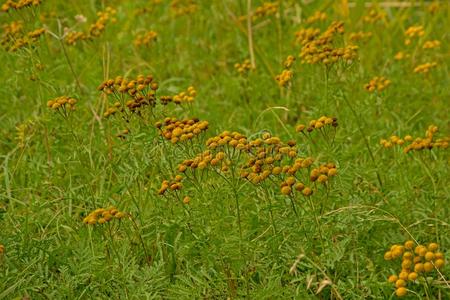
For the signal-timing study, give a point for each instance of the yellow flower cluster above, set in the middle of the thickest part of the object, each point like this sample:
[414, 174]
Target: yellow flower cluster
[244, 67]
[181, 130]
[416, 144]
[63, 103]
[145, 39]
[2, 249]
[289, 61]
[377, 84]
[266, 9]
[425, 68]
[173, 184]
[318, 16]
[401, 55]
[323, 172]
[284, 78]
[187, 96]
[374, 16]
[266, 156]
[14, 38]
[216, 156]
[286, 75]
[142, 91]
[360, 36]
[415, 261]
[11, 4]
[305, 35]
[101, 216]
[413, 32]
[227, 138]
[183, 7]
[95, 29]
[321, 50]
[431, 44]
[206, 159]
[317, 124]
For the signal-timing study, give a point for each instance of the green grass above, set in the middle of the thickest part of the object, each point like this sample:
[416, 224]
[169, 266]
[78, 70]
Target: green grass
[234, 239]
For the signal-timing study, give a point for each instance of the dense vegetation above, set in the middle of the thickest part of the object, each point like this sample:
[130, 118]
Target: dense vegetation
[224, 149]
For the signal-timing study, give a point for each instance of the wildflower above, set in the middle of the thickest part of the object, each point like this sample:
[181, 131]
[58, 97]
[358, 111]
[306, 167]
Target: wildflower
[412, 265]
[101, 216]
[145, 39]
[377, 84]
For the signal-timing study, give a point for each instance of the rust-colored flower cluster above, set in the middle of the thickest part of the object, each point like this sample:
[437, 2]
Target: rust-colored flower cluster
[416, 261]
[14, 37]
[317, 124]
[374, 16]
[360, 36]
[266, 9]
[176, 130]
[101, 216]
[413, 32]
[16, 5]
[317, 16]
[321, 49]
[95, 29]
[140, 92]
[187, 96]
[209, 158]
[425, 68]
[145, 39]
[244, 67]
[63, 103]
[431, 44]
[416, 144]
[306, 35]
[285, 77]
[377, 84]
[173, 185]
[183, 7]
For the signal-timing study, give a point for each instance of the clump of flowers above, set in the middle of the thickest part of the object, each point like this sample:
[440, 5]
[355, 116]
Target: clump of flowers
[321, 49]
[181, 130]
[244, 67]
[317, 16]
[305, 35]
[374, 16]
[413, 32]
[183, 7]
[16, 5]
[323, 121]
[408, 143]
[131, 94]
[145, 39]
[187, 96]
[416, 261]
[287, 74]
[95, 29]
[360, 36]
[14, 37]
[401, 55]
[63, 105]
[425, 68]
[101, 216]
[266, 9]
[431, 44]
[377, 84]
[173, 185]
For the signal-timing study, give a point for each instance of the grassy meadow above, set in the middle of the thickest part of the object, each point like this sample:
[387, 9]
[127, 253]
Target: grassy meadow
[229, 149]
